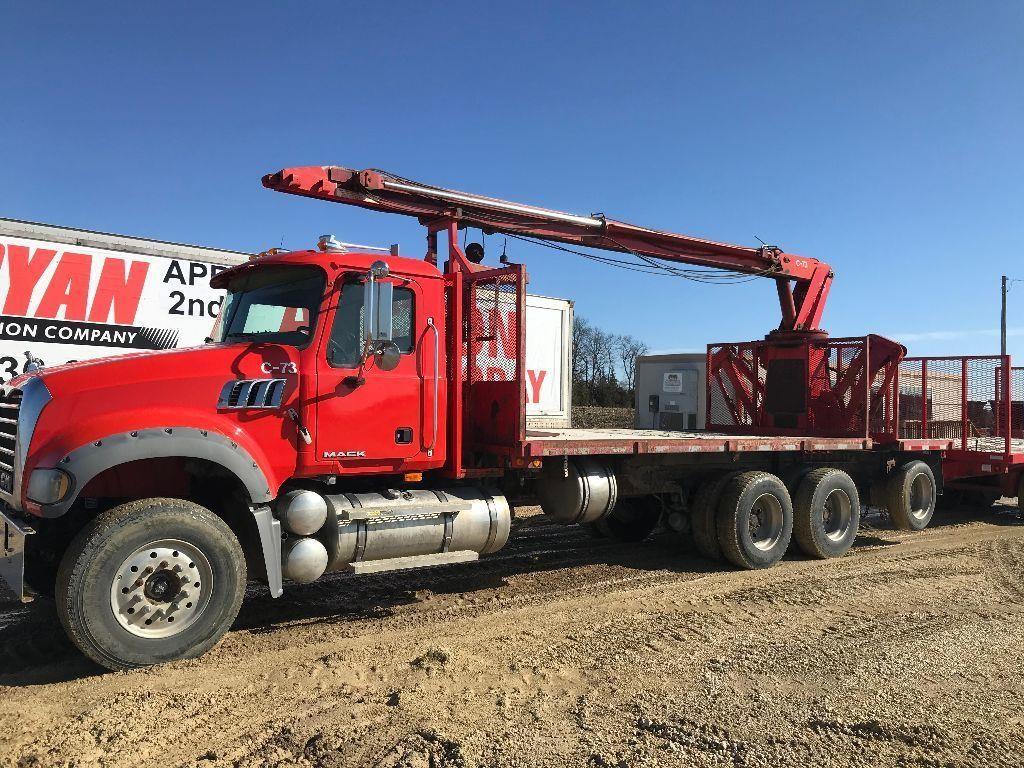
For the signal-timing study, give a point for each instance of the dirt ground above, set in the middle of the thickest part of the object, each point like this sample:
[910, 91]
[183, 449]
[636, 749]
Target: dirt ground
[569, 650]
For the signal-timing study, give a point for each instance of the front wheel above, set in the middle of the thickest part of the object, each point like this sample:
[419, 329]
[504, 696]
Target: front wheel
[150, 581]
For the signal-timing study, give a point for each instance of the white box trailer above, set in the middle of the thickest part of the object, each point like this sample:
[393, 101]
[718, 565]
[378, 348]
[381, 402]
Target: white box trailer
[71, 294]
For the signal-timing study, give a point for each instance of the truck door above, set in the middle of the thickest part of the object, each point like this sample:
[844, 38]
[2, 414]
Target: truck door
[369, 418]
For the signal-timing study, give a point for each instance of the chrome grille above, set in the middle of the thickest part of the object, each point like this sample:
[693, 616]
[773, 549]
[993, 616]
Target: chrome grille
[252, 393]
[10, 406]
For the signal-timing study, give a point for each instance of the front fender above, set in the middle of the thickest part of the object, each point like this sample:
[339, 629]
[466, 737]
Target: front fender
[88, 461]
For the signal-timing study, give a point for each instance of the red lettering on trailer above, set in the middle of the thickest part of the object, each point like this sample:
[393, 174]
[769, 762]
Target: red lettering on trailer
[500, 330]
[536, 379]
[68, 288]
[25, 271]
[118, 292]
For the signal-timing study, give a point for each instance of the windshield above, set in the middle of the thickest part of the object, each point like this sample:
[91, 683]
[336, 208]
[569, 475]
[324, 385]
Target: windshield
[275, 304]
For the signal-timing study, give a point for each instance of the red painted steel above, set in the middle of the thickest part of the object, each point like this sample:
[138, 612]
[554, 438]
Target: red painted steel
[495, 360]
[795, 391]
[822, 387]
[969, 401]
[180, 388]
[803, 283]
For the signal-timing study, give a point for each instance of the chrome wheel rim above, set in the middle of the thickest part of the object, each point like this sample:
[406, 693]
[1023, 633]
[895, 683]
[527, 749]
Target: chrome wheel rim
[161, 589]
[765, 522]
[837, 514]
[922, 497]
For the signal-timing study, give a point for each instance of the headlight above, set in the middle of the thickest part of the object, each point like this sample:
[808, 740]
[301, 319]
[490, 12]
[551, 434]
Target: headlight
[48, 486]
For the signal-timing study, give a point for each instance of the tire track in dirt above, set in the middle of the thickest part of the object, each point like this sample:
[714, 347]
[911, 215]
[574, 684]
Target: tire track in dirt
[597, 659]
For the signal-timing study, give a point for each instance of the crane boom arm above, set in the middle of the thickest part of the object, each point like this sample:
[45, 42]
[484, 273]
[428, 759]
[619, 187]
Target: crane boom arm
[803, 283]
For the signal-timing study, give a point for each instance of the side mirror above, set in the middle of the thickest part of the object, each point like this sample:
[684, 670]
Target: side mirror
[388, 356]
[377, 299]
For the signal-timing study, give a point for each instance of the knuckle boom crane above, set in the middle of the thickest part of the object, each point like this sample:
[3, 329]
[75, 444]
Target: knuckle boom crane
[795, 380]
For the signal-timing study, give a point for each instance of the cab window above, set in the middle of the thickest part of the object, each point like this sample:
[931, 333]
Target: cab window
[345, 346]
[273, 305]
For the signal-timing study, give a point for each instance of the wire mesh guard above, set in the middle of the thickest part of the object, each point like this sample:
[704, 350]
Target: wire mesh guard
[494, 395]
[830, 387]
[974, 401]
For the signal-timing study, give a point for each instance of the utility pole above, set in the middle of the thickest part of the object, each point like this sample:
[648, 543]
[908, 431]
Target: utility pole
[1002, 322]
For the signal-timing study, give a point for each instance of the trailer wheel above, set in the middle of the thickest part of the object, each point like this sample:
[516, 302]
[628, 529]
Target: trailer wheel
[703, 525]
[911, 495]
[1020, 492]
[150, 581]
[826, 513]
[632, 519]
[755, 520]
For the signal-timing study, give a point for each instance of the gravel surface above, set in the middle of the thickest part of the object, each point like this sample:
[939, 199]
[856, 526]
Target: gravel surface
[568, 650]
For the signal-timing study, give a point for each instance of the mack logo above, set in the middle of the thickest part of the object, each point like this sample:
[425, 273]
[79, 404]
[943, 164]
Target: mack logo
[344, 454]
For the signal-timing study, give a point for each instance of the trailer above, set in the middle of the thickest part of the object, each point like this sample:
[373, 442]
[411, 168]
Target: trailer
[74, 294]
[363, 412]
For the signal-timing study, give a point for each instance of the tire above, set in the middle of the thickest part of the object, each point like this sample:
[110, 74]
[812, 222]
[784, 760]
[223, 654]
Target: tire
[128, 627]
[755, 520]
[632, 520]
[911, 495]
[826, 513]
[703, 525]
[1020, 493]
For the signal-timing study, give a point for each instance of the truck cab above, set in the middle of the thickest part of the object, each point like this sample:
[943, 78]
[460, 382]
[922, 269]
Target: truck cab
[349, 349]
[327, 369]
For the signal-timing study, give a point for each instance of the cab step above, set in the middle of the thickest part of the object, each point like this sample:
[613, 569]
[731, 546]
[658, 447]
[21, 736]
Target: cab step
[414, 561]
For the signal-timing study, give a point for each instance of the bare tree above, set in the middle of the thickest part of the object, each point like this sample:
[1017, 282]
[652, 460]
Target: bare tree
[629, 349]
[601, 364]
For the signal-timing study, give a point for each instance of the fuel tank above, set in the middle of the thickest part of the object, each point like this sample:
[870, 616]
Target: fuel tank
[366, 527]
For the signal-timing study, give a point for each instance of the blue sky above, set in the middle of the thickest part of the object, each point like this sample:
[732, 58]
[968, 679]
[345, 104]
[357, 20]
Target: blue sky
[884, 138]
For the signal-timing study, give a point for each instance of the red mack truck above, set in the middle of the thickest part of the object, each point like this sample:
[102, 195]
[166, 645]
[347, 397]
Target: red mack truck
[363, 412]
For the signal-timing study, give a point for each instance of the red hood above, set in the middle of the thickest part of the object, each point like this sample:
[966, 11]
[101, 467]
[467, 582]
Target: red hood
[177, 366]
[94, 399]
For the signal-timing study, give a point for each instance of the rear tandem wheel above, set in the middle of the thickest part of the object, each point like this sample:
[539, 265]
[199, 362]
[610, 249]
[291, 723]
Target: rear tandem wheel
[910, 496]
[826, 513]
[755, 520]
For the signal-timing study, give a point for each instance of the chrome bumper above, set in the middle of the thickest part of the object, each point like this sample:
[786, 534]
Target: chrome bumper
[12, 559]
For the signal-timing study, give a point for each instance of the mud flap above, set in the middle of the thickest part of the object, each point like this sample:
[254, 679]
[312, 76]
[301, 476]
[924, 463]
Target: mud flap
[12, 560]
[270, 543]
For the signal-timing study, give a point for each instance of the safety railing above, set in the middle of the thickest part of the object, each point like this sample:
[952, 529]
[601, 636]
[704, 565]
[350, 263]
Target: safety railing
[976, 401]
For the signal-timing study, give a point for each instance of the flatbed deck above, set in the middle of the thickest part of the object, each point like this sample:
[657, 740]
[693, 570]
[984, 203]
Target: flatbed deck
[584, 442]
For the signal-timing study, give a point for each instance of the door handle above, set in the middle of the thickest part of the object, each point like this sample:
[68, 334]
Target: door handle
[437, 355]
